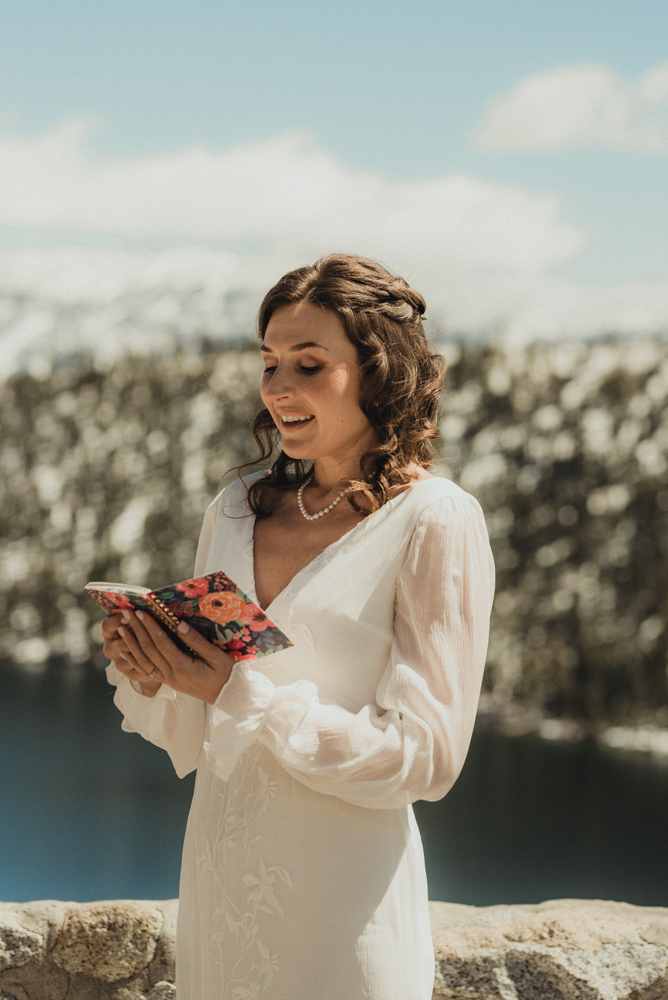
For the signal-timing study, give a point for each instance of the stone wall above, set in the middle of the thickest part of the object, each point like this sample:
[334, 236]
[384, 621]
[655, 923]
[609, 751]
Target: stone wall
[120, 949]
[565, 949]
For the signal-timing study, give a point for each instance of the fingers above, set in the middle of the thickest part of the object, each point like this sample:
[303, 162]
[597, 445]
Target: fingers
[110, 624]
[209, 671]
[200, 646]
[207, 652]
[114, 647]
[149, 646]
[136, 656]
[126, 664]
[129, 666]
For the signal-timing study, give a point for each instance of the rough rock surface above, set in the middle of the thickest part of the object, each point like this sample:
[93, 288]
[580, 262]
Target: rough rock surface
[109, 941]
[110, 950]
[18, 946]
[565, 949]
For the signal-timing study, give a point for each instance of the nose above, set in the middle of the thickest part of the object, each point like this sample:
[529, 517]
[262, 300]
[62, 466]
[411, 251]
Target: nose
[280, 385]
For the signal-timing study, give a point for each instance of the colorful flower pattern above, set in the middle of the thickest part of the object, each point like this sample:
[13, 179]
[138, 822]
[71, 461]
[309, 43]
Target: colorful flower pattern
[213, 605]
[255, 618]
[119, 601]
[223, 607]
[193, 588]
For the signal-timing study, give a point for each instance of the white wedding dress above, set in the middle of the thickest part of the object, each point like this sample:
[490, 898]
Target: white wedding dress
[303, 874]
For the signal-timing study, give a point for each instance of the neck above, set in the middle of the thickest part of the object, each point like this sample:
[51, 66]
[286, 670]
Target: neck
[330, 474]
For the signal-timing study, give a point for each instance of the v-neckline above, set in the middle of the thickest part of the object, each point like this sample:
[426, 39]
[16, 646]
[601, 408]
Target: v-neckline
[328, 548]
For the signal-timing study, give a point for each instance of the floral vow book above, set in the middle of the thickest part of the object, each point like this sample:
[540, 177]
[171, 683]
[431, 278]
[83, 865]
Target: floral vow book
[212, 604]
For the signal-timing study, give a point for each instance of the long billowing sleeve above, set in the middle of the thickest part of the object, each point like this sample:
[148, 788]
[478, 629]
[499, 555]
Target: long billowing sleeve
[412, 741]
[170, 719]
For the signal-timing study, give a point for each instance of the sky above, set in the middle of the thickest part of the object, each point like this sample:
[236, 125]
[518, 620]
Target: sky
[509, 158]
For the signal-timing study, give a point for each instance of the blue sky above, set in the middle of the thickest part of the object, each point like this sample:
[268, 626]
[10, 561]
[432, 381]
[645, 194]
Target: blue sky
[396, 88]
[392, 85]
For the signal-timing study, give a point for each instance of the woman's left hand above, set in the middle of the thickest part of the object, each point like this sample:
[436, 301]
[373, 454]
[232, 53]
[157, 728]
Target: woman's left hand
[148, 647]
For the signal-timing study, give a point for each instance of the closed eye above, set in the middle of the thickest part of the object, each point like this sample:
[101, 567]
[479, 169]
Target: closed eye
[308, 370]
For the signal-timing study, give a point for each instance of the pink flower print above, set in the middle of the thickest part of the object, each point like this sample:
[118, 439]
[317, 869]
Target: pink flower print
[120, 600]
[193, 588]
[255, 618]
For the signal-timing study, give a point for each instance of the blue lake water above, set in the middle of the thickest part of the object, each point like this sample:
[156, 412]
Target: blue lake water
[90, 812]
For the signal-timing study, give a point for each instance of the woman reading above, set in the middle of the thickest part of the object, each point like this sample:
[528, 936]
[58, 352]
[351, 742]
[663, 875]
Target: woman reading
[303, 874]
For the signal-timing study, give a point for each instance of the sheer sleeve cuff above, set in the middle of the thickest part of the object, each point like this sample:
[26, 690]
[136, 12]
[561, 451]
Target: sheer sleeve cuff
[170, 720]
[250, 708]
[138, 711]
[236, 718]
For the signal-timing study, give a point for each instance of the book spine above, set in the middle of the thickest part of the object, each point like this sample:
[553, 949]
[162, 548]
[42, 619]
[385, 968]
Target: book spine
[167, 617]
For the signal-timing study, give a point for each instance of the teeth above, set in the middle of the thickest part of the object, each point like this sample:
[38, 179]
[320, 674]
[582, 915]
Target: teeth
[294, 420]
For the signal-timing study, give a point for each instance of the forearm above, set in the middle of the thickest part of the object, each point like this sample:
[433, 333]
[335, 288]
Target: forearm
[375, 757]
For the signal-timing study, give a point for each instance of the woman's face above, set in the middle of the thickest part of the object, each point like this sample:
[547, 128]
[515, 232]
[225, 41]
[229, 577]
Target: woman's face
[310, 384]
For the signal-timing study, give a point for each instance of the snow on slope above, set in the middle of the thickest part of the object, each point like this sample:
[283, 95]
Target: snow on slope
[486, 255]
[65, 301]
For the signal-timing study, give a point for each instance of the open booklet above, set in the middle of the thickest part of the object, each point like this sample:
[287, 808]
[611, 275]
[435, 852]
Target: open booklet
[212, 604]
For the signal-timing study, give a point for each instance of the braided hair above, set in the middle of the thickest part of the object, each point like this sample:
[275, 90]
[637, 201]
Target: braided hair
[400, 376]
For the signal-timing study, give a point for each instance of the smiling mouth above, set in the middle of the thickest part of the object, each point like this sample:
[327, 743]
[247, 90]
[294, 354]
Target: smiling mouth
[293, 421]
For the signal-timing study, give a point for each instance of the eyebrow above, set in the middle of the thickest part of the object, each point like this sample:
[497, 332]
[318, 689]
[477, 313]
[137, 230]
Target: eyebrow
[298, 347]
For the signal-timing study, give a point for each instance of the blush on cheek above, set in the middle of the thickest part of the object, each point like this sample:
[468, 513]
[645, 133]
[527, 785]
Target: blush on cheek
[342, 376]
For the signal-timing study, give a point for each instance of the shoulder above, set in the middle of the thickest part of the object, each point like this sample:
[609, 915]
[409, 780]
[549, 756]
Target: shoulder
[439, 499]
[231, 501]
[449, 533]
[444, 512]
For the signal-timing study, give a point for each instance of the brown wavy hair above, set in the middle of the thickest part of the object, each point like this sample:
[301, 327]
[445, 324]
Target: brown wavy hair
[401, 378]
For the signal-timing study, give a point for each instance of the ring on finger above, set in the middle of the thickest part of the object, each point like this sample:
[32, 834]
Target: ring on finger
[153, 672]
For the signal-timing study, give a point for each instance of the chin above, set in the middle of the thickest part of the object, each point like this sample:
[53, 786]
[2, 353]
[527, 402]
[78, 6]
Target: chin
[293, 450]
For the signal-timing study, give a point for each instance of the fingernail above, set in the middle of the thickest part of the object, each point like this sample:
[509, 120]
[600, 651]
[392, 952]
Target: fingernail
[139, 615]
[183, 627]
[121, 630]
[125, 617]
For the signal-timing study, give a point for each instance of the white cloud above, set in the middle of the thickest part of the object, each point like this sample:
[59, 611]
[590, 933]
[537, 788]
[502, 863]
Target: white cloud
[283, 196]
[577, 106]
[232, 221]
[471, 246]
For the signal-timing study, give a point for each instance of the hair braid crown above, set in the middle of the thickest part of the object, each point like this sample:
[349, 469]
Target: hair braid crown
[400, 376]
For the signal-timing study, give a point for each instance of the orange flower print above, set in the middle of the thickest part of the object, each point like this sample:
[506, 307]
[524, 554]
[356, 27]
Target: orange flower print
[254, 618]
[222, 607]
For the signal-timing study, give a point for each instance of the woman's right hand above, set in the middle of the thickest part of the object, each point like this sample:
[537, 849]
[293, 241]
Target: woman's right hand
[115, 647]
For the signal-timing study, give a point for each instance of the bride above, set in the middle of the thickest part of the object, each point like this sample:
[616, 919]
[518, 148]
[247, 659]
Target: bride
[303, 874]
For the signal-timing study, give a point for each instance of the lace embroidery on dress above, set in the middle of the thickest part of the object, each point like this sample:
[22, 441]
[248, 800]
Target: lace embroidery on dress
[245, 797]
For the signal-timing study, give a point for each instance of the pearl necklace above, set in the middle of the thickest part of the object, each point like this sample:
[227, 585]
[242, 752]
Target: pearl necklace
[325, 510]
